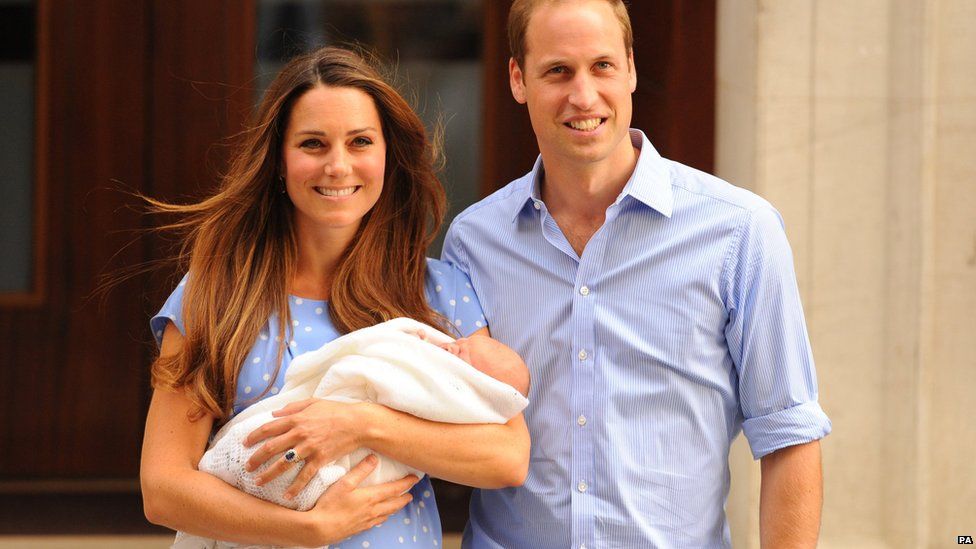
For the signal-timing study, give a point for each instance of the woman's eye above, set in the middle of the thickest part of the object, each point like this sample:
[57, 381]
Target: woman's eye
[311, 144]
[362, 141]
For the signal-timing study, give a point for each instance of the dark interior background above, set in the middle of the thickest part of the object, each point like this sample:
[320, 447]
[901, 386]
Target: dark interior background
[141, 96]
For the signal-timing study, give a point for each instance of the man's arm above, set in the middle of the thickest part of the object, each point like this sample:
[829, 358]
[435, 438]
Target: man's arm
[791, 497]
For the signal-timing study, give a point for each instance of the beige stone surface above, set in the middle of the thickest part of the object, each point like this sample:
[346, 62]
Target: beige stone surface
[864, 131]
[952, 360]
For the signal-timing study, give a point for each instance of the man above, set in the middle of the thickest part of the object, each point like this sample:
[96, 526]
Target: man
[656, 307]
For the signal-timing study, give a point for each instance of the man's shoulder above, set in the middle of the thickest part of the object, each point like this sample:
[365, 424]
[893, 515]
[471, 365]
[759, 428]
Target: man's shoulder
[498, 205]
[714, 191]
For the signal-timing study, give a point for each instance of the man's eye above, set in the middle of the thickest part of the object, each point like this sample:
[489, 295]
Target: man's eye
[604, 65]
[557, 70]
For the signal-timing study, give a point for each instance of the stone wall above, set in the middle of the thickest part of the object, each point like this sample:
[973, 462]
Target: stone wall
[857, 119]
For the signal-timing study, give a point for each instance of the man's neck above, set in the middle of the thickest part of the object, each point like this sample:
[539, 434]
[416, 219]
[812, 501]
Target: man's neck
[586, 189]
[577, 196]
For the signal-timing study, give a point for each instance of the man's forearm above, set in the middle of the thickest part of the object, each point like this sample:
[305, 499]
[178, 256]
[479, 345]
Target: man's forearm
[791, 497]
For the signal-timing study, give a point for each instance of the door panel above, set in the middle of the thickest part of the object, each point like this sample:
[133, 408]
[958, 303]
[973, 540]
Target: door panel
[112, 76]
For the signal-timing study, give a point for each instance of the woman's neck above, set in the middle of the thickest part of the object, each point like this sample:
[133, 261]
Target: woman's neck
[319, 253]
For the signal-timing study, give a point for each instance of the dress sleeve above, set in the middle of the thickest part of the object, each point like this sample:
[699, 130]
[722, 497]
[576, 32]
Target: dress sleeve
[172, 311]
[767, 339]
[450, 293]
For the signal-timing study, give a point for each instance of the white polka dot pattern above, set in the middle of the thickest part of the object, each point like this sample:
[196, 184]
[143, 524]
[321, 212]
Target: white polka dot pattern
[447, 287]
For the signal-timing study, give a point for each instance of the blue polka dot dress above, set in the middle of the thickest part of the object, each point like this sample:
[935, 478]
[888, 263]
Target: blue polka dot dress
[449, 293]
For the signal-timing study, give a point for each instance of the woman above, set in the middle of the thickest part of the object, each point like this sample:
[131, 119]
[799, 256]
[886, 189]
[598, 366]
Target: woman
[319, 228]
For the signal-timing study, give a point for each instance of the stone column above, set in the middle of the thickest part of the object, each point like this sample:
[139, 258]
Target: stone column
[857, 120]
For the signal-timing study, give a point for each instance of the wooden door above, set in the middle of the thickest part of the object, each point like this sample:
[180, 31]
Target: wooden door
[130, 96]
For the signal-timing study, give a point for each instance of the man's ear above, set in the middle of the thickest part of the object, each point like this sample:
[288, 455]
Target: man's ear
[632, 69]
[516, 80]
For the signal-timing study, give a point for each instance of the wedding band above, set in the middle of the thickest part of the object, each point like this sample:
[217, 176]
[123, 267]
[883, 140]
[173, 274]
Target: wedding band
[291, 456]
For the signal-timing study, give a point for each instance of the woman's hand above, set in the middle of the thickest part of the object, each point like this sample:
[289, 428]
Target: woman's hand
[320, 431]
[346, 509]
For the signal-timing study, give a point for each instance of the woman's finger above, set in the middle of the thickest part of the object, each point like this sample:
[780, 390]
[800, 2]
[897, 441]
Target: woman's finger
[281, 465]
[271, 448]
[270, 429]
[394, 488]
[387, 507]
[294, 408]
[357, 474]
[303, 478]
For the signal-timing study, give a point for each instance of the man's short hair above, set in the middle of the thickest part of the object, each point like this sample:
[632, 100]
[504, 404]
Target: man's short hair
[521, 12]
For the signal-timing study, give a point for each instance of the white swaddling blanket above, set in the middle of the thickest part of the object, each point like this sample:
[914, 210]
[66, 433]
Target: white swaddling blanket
[388, 364]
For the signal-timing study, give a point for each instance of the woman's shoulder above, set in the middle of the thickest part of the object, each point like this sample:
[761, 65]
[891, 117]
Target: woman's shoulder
[171, 311]
[443, 275]
[450, 293]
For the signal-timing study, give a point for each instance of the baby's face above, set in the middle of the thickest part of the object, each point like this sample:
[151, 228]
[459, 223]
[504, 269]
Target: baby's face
[460, 348]
[475, 350]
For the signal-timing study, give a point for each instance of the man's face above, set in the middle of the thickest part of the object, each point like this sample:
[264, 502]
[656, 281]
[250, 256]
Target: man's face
[577, 81]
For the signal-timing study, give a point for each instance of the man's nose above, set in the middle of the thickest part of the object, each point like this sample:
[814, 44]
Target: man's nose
[583, 94]
[337, 164]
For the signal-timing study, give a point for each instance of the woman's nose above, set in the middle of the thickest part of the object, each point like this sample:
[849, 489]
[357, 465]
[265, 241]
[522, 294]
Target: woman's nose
[337, 165]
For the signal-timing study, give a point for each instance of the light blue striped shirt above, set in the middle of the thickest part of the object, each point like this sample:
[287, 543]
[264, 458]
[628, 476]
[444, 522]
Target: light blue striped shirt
[678, 327]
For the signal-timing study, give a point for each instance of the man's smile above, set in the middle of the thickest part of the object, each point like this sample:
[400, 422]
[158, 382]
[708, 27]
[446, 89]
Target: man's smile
[586, 124]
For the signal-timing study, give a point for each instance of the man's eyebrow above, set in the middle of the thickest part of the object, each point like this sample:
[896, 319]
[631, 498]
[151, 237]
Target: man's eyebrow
[557, 61]
[553, 62]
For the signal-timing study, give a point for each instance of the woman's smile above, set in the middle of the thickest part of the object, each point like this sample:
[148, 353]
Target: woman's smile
[337, 193]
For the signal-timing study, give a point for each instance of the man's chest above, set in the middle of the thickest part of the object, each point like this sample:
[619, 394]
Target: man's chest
[644, 296]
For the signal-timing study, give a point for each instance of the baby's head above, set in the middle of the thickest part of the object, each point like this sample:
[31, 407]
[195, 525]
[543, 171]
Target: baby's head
[493, 358]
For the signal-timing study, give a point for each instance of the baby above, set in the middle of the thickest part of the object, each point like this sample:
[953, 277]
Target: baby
[490, 357]
[401, 364]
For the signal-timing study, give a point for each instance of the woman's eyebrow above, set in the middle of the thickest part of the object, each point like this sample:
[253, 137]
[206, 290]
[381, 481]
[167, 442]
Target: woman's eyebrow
[361, 130]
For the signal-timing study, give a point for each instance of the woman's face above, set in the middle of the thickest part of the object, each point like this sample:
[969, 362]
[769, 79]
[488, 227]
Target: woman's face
[334, 159]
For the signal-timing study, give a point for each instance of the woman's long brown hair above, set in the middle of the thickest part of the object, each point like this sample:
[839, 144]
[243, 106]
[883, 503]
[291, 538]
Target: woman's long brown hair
[240, 249]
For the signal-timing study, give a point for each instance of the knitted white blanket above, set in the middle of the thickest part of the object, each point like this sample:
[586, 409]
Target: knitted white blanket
[388, 364]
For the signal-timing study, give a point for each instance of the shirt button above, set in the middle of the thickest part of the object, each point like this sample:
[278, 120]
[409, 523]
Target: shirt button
[584, 291]
[537, 206]
[581, 486]
[581, 420]
[582, 354]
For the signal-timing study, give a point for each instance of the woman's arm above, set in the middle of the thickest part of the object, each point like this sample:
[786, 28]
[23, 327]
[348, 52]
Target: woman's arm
[484, 456]
[177, 495]
[480, 455]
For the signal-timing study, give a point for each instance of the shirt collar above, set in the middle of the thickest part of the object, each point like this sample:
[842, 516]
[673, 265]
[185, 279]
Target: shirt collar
[650, 183]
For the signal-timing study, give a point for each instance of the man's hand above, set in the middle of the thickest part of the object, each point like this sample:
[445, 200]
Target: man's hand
[791, 497]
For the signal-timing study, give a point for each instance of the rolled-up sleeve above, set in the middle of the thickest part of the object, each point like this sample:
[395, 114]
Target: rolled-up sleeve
[767, 339]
